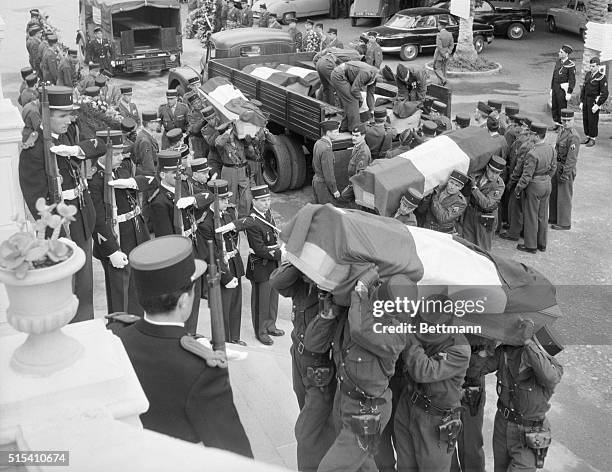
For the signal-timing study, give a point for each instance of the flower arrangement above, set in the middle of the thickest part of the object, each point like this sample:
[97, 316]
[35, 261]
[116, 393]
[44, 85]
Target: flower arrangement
[196, 25]
[27, 250]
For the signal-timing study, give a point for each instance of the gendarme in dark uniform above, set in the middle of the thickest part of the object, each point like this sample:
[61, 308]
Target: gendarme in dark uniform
[110, 247]
[187, 385]
[173, 115]
[324, 184]
[34, 185]
[593, 95]
[562, 83]
[264, 257]
[100, 51]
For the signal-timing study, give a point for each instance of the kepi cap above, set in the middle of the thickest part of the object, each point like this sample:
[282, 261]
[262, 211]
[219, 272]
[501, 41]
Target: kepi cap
[497, 163]
[164, 265]
[412, 197]
[208, 111]
[463, 121]
[150, 116]
[100, 81]
[595, 60]
[222, 187]
[360, 128]
[127, 125]
[495, 104]
[116, 137]
[429, 128]
[459, 177]
[329, 125]
[171, 93]
[260, 191]
[60, 98]
[200, 164]
[126, 90]
[333, 30]
[567, 48]
[567, 114]
[174, 135]
[168, 159]
[483, 107]
[492, 123]
[511, 110]
[380, 113]
[539, 128]
[31, 79]
[25, 72]
[92, 91]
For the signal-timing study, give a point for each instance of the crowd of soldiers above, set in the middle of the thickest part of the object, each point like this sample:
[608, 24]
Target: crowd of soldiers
[393, 402]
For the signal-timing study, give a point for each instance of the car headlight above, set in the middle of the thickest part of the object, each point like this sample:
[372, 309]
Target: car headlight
[172, 57]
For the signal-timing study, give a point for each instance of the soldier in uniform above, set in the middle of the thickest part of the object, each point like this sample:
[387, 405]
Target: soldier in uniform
[311, 40]
[31, 122]
[173, 114]
[189, 392]
[295, 34]
[562, 83]
[480, 218]
[234, 16]
[562, 185]
[114, 240]
[427, 420]
[230, 263]
[90, 79]
[247, 15]
[362, 405]
[125, 106]
[462, 120]
[513, 127]
[50, 60]
[30, 92]
[70, 163]
[526, 380]
[378, 135]
[539, 166]
[374, 54]
[42, 47]
[100, 51]
[32, 43]
[408, 203]
[324, 184]
[36, 20]
[360, 155]
[437, 114]
[348, 80]
[264, 16]
[264, 257]
[67, 70]
[446, 205]
[481, 114]
[146, 146]
[109, 93]
[210, 134]
[274, 24]
[411, 82]
[593, 95]
[312, 372]
[443, 51]
[196, 121]
[332, 41]
[493, 128]
[325, 62]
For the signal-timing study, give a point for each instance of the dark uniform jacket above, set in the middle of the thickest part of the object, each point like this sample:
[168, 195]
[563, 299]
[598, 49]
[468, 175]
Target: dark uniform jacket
[359, 74]
[161, 206]
[133, 231]
[100, 52]
[33, 182]
[174, 119]
[27, 95]
[265, 253]
[519, 149]
[564, 72]
[438, 371]
[540, 163]
[444, 211]
[231, 152]
[594, 90]
[411, 82]
[188, 399]
[374, 54]
[32, 44]
[67, 74]
[129, 110]
[247, 17]
[360, 159]
[526, 378]
[264, 19]
[379, 139]
[145, 153]
[323, 164]
[42, 47]
[49, 65]
[567, 147]
[486, 197]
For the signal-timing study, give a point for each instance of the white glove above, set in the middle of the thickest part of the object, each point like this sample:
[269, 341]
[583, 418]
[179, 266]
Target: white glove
[283, 250]
[118, 259]
[123, 183]
[568, 96]
[595, 108]
[336, 194]
[565, 86]
[580, 106]
[68, 151]
[90, 62]
[226, 228]
[113, 63]
[185, 202]
[214, 177]
[232, 283]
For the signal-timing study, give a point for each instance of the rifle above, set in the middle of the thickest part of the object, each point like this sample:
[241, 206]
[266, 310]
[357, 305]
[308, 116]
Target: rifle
[178, 213]
[54, 180]
[213, 279]
[110, 205]
[217, 222]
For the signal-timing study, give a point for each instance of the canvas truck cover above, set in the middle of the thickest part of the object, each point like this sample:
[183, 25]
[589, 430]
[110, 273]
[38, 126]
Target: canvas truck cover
[115, 6]
[333, 247]
[428, 165]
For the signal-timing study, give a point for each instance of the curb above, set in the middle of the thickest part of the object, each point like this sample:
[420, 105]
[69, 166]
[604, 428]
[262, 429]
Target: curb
[429, 67]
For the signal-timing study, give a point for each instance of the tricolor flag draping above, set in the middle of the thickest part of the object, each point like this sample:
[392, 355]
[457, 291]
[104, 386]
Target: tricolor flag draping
[298, 79]
[333, 247]
[219, 92]
[428, 165]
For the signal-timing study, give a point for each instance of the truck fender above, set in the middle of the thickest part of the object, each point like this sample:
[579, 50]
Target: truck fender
[179, 76]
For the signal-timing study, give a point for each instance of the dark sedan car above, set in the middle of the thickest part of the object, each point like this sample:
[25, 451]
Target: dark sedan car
[414, 30]
[510, 19]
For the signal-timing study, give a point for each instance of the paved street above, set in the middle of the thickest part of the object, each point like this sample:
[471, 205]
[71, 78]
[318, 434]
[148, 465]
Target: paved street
[578, 261]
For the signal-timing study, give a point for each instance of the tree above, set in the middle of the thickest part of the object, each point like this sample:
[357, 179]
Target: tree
[465, 43]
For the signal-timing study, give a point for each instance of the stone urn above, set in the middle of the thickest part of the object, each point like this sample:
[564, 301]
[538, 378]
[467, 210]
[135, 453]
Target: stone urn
[40, 305]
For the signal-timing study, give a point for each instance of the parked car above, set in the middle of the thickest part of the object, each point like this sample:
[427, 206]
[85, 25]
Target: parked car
[413, 31]
[510, 19]
[571, 17]
[296, 8]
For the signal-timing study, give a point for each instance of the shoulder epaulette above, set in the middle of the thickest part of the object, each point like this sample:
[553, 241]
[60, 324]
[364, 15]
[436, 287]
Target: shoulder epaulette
[153, 195]
[598, 77]
[212, 358]
[569, 64]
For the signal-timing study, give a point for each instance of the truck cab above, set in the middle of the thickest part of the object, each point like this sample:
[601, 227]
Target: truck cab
[145, 34]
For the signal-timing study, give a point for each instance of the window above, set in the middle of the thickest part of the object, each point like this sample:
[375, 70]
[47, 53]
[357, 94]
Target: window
[248, 51]
[580, 7]
[402, 21]
[426, 22]
[484, 7]
[446, 20]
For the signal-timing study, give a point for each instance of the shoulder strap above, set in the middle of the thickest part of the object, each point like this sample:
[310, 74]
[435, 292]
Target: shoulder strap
[212, 358]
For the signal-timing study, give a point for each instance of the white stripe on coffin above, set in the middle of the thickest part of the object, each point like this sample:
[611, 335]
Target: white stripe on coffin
[263, 72]
[300, 71]
[468, 275]
[220, 96]
[321, 268]
[436, 159]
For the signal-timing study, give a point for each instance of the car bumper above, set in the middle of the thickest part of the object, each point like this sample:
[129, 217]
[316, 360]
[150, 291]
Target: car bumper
[391, 48]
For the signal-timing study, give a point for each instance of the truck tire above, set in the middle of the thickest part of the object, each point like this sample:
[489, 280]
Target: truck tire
[277, 165]
[298, 161]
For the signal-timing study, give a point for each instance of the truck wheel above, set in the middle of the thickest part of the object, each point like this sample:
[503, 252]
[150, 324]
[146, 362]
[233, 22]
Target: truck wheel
[552, 24]
[409, 52]
[298, 161]
[515, 31]
[277, 166]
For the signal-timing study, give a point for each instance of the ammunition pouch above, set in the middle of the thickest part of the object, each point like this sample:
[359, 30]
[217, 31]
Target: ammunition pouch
[472, 396]
[449, 429]
[538, 439]
[319, 376]
[487, 220]
[367, 429]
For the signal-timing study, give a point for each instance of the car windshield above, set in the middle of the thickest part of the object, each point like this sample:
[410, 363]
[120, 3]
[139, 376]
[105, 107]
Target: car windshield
[402, 21]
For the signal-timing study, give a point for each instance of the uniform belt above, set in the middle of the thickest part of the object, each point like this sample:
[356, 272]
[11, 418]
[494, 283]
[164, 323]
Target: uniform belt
[73, 193]
[244, 164]
[299, 347]
[424, 403]
[348, 387]
[129, 215]
[230, 254]
[515, 417]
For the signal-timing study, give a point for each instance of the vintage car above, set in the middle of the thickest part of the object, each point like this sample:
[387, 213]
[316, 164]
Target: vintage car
[510, 19]
[413, 31]
[295, 8]
[571, 17]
